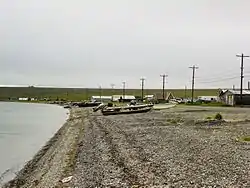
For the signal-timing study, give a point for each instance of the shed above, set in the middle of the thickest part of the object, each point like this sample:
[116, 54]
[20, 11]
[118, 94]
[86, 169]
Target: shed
[232, 97]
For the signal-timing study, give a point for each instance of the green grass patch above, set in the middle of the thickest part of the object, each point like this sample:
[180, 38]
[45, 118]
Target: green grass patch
[246, 139]
[209, 118]
[243, 139]
[174, 120]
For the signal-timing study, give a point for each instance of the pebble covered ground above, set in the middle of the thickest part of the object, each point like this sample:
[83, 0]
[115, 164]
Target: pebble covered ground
[171, 148]
[176, 147]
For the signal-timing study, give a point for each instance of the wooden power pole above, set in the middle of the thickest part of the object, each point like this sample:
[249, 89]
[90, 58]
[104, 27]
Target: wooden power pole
[242, 56]
[193, 68]
[163, 85]
[142, 88]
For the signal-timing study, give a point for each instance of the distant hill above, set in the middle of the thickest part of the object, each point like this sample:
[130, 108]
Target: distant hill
[84, 93]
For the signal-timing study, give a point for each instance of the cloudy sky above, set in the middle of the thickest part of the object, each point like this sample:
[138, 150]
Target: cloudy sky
[88, 43]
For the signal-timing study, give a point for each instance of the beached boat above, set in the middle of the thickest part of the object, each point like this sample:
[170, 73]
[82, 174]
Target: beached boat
[88, 104]
[139, 106]
[116, 111]
[67, 106]
[130, 109]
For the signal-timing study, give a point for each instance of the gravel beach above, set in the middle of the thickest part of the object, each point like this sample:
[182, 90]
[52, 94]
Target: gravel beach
[176, 147]
[169, 148]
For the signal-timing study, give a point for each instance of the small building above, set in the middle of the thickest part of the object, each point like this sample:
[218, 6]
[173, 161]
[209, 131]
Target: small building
[127, 98]
[101, 98]
[233, 98]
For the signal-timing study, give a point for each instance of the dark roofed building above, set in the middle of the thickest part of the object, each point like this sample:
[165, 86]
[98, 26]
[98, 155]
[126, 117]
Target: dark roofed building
[232, 97]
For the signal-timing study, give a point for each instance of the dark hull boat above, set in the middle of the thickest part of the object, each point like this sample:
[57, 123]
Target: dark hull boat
[89, 104]
[107, 112]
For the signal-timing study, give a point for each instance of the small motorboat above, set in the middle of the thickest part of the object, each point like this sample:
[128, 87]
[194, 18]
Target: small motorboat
[130, 109]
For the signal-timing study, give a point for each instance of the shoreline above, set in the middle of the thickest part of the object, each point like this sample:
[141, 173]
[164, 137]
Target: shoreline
[54, 159]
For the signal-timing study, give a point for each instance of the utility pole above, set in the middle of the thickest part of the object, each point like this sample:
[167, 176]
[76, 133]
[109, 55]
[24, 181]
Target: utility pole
[193, 68]
[242, 56]
[142, 88]
[163, 85]
[123, 90]
[248, 85]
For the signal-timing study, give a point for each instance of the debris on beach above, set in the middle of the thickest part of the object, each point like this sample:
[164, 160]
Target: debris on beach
[67, 179]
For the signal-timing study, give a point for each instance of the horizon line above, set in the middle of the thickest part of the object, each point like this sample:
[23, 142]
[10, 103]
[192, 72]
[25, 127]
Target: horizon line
[57, 87]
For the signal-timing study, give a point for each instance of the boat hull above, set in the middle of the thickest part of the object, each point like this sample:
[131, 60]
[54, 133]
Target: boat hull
[109, 112]
[88, 104]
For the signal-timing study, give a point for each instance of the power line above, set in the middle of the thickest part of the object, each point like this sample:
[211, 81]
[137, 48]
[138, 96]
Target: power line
[201, 79]
[142, 88]
[211, 80]
[193, 68]
[242, 56]
[163, 84]
[218, 80]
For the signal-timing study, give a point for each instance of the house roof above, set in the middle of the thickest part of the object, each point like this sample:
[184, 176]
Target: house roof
[237, 92]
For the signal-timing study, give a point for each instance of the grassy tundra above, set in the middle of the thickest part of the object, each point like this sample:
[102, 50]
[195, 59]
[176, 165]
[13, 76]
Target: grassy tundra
[77, 94]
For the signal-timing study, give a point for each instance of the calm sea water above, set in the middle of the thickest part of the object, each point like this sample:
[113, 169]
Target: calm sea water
[24, 129]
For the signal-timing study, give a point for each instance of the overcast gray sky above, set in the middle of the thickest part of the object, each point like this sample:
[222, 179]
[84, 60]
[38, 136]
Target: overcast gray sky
[87, 43]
